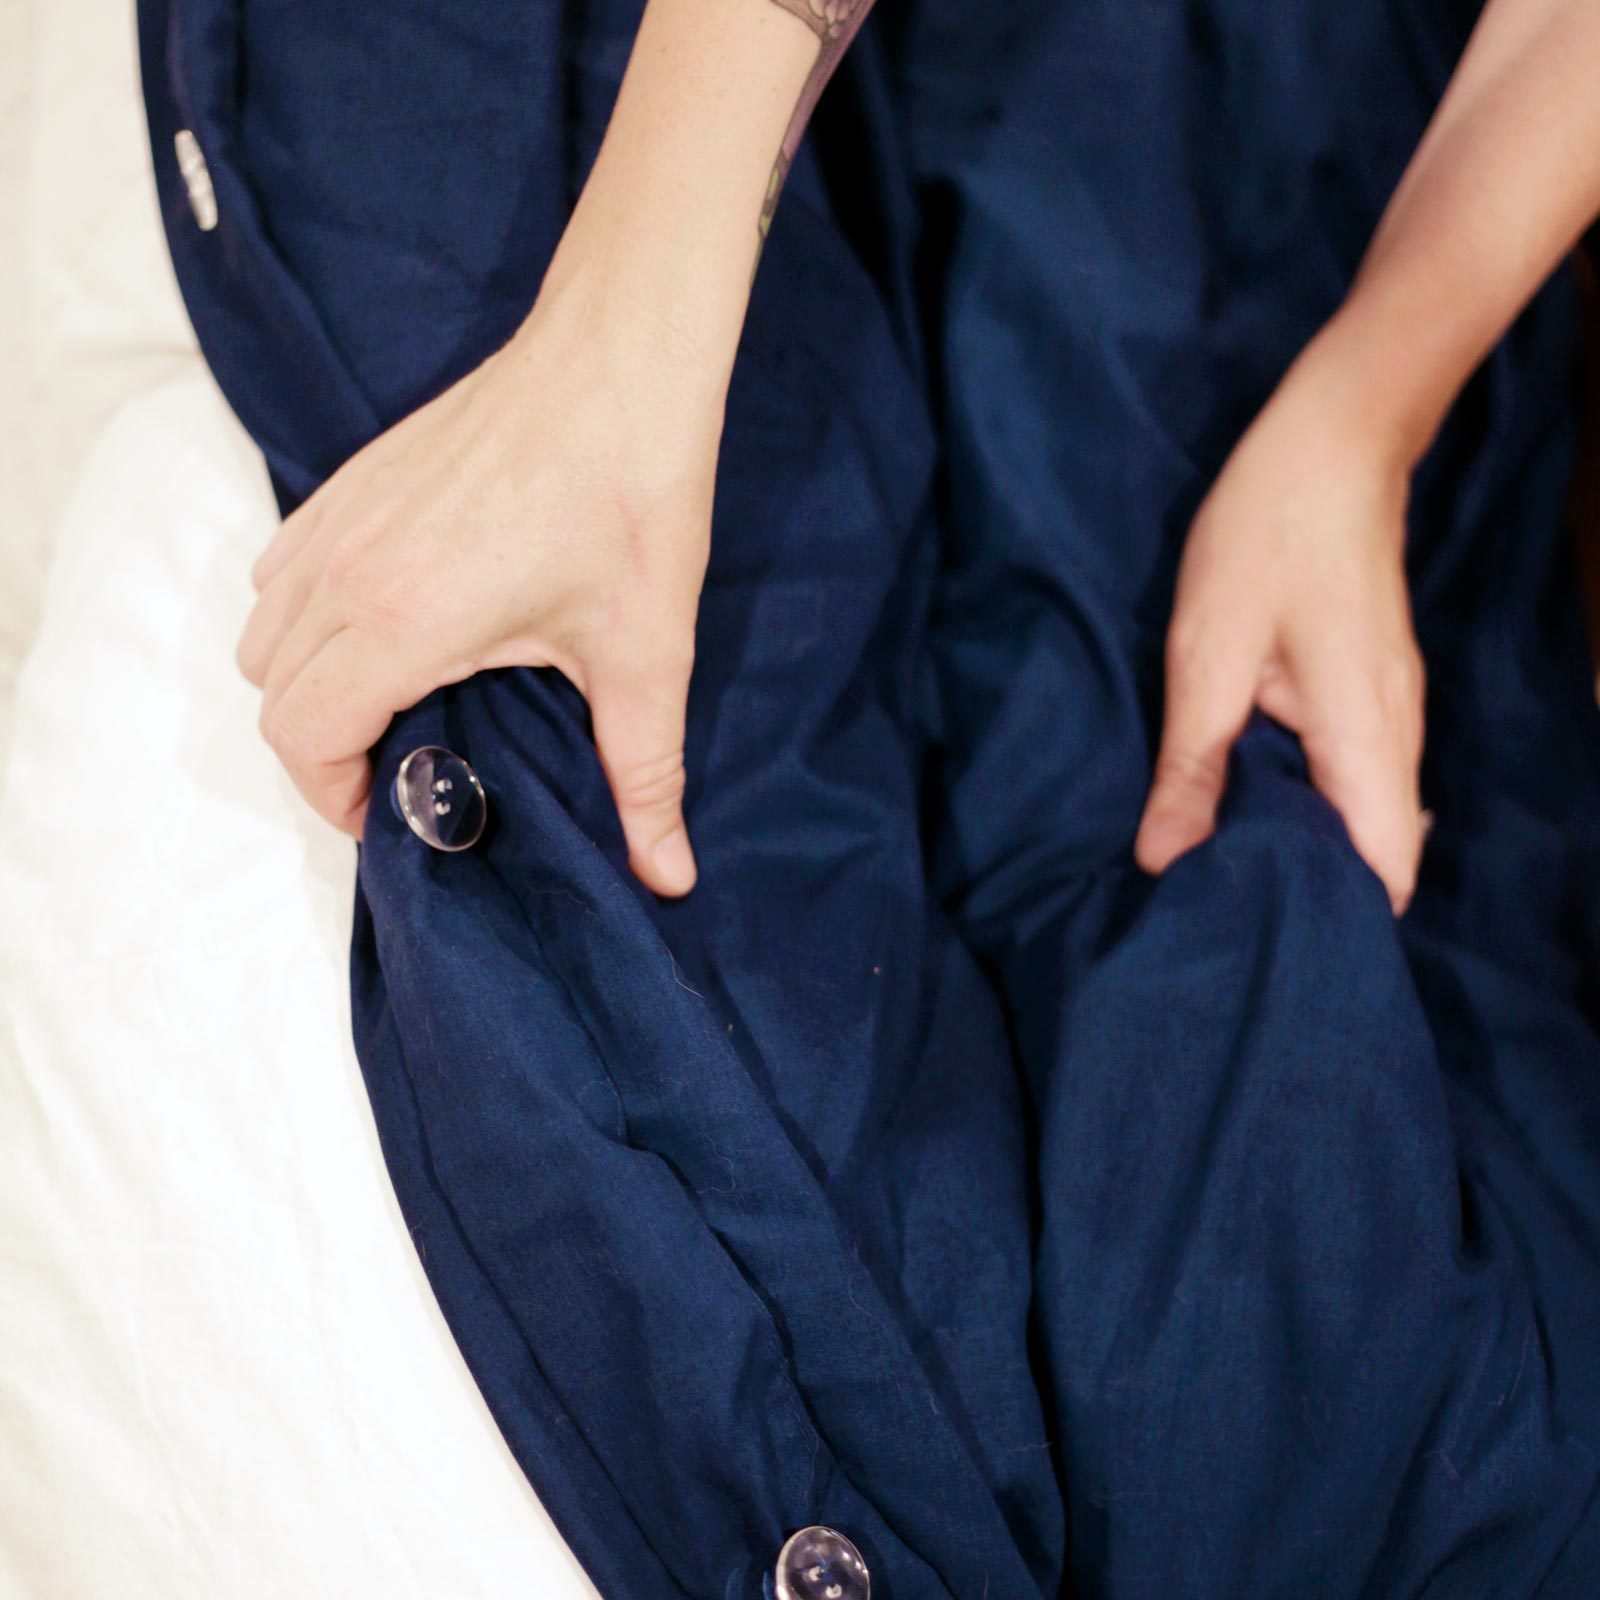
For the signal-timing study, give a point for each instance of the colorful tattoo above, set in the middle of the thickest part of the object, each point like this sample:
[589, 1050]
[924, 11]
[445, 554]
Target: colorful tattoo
[835, 23]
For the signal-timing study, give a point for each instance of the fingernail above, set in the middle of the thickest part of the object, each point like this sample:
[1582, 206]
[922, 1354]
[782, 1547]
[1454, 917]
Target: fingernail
[673, 861]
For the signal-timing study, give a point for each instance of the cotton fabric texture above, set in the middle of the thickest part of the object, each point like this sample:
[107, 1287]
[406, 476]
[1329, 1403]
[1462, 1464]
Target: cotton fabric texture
[930, 1173]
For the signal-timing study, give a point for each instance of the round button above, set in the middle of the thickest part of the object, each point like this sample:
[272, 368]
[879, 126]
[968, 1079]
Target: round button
[441, 799]
[819, 1564]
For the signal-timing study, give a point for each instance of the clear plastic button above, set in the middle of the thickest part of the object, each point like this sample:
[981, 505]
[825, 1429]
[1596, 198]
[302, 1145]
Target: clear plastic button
[819, 1564]
[440, 798]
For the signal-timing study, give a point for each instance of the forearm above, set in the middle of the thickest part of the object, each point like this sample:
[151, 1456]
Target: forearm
[1503, 183]
[715, 98]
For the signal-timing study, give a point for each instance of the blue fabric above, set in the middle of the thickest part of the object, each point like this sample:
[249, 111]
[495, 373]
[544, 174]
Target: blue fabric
[930, 1173]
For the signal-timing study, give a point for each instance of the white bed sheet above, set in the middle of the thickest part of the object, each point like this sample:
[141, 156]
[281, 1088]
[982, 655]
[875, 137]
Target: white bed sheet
[222, 1374]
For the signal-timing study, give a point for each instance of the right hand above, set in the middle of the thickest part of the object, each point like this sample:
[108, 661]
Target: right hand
[552, 509]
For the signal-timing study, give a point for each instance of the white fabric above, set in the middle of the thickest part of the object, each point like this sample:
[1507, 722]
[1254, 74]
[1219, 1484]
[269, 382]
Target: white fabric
[222, 1374]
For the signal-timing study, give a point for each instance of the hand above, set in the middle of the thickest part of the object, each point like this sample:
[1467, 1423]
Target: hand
[1292, 597]
[553, 509]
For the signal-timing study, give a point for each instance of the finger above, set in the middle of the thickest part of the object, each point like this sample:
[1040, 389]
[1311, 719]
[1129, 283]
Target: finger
[1210, 690]
[277, 609]
[319, 619]
[638, 728]
[326, 720]
[1362, 736]
[293, 535]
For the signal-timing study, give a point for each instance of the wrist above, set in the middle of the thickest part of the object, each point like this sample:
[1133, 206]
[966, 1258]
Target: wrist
[664, 238]
[614, 365]
[668, 281]
[1385, 393]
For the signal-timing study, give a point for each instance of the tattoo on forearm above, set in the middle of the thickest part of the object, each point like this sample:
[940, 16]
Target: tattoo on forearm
[835, 23]
[825, 18]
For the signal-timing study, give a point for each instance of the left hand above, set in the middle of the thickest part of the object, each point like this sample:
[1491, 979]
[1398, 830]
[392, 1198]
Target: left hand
[1292, 598]
[551, 509]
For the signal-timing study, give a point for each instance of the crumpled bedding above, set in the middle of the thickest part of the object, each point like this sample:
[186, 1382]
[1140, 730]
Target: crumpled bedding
[930, 1174]
[221, 1371]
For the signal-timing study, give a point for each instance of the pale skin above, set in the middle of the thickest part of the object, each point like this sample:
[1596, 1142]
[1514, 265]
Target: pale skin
[1291, 593]
[553, 508]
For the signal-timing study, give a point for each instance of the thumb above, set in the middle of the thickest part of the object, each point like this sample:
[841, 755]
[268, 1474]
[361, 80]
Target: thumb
[1209, 696]
[638, 729]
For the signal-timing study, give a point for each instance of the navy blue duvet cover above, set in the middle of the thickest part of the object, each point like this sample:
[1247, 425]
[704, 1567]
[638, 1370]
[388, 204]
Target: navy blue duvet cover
[930, 1173]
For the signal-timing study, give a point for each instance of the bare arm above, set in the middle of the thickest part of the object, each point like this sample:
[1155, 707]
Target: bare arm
[554, 507]
[1292, 593]
[1505, 180]
[711, 111]
[835, 23]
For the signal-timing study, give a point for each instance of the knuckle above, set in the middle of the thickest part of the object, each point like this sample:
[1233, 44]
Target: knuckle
[282, 734]
[366, 588]
[1186, 769]
[383, 604]
[344, 572]
[656, 785]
